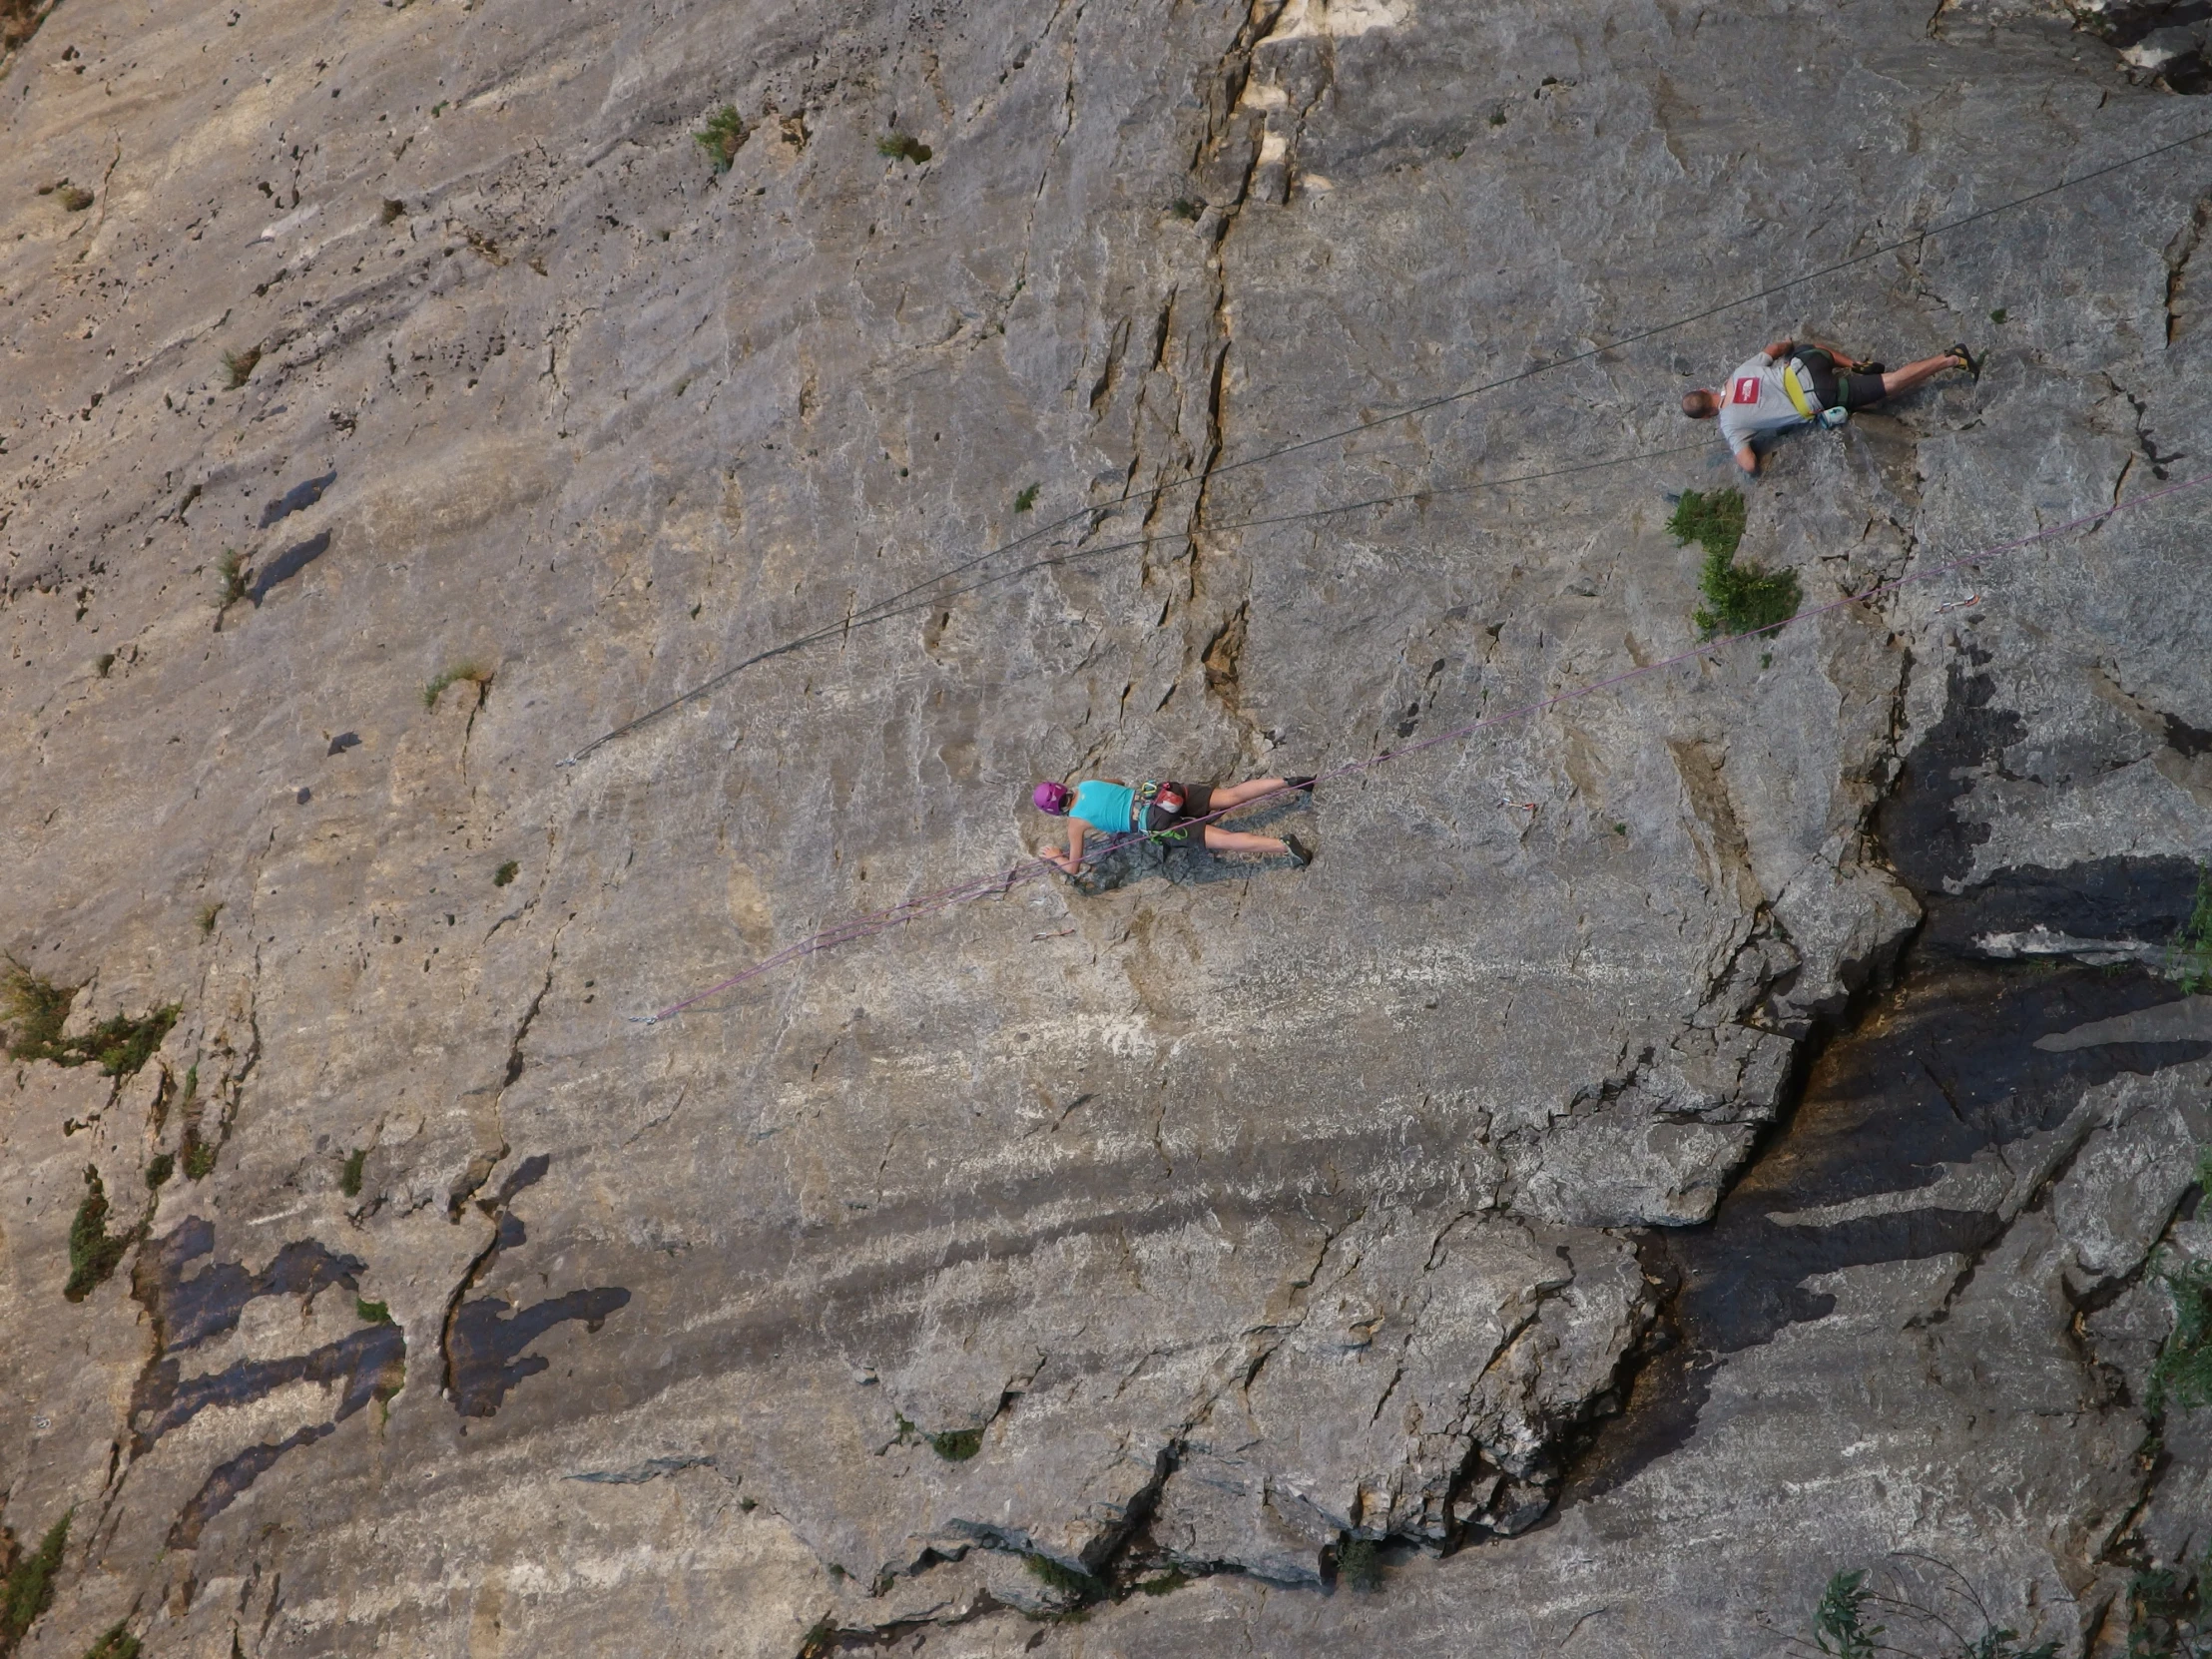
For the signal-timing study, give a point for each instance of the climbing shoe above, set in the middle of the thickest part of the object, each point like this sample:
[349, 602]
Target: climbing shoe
[1871, 368]
[1306, 784]
[1301, 854]
[1969, 362]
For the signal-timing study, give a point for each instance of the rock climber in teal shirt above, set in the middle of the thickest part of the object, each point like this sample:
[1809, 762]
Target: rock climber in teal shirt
[1172, 815]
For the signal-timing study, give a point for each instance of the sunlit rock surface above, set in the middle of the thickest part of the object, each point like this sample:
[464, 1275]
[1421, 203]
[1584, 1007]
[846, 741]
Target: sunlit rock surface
[1213, 1218]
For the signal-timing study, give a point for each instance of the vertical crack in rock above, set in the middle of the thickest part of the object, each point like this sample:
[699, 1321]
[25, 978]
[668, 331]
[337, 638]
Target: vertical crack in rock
[2179, 251]
[482, 1341]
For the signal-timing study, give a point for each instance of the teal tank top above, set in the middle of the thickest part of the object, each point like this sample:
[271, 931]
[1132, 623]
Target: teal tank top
[1104, 807]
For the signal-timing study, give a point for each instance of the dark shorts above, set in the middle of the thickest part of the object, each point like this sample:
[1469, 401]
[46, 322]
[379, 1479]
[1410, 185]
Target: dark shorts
[1182, 830]
[1853, 391]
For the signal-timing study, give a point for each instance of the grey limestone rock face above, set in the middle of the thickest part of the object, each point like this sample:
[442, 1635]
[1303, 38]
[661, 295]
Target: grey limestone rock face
[401, 398]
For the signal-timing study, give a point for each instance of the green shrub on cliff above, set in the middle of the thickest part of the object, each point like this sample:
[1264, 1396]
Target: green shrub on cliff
[2182, 1374]
[2190, 954]
[1739, 597]
[28, 1589]
[93, 1252]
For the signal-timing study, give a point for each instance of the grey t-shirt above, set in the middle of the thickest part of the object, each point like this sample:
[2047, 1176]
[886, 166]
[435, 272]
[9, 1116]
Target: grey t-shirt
[1753, 401]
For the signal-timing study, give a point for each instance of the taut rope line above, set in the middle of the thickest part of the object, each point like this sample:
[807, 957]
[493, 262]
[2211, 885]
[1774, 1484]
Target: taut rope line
[870, 613]
[896, 915]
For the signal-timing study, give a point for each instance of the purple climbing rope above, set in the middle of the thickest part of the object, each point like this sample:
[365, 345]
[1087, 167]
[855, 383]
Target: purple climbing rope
[1006, 881]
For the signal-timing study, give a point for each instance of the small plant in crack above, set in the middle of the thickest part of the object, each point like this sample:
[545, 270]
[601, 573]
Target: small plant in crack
[238, 366]
[103, 661]
[903, 147]
[116, 1642]
[160, 1170]
[349, 1173]
[2182, 1374]
[724, 133]
[373, 1312]
[1185, 209]
[1059, 1576]
[393, 210]
[27, 1590]
[232, 568]
[506, 873]
[207, 913]
[75, 198]
[2190, 952]
[1931, 1606]
[199, 1157]
[1026, 499]
[956, 1446]
[1167, 1584]
[474, 673]
[36, 1009]
[93, 1252]
[1359, 1564]
[1840, 1621]
[2167, 1617]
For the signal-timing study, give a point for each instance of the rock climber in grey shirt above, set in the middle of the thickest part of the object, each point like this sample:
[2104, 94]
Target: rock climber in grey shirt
[1795, 382]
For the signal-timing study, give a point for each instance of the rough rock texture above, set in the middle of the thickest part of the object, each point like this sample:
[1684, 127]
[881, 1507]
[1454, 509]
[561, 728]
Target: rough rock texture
[1209, 1217]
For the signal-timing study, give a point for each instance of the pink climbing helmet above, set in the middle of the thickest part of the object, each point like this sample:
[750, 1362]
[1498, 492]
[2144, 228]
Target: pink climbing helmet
[1051, 798]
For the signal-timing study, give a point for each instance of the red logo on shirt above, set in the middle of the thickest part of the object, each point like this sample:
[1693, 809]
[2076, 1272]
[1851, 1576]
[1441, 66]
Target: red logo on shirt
[1746, 390]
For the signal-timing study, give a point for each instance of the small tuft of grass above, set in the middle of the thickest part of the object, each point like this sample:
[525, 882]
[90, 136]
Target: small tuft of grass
[207, 913]
[2189, 953]
[123, 1045]
[160, 1170]
[103, 661]
[1057, 1575]
[1997, 315]
[471, 672]
[116, 1643]
[2182, 1373]
[903, 147]
[393, 210]
[93, 1252]
[1497, 116]
[37, 1008]
[1185, 209]
[373, 1312]
[956, 1446]
[232, 568]
[505, 874]
[1026, 499]
[238, 366]
[1168, 1584]
[349, 1176]
[199, 1156]
[724, 133]
[28, 1589]
[816, 1644]
[1739, 597]
[1359, 1564]
[439, 107]
[75, 198]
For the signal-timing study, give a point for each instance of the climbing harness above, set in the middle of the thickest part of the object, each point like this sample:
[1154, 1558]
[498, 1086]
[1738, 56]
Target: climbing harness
[1157, 815]
[1006, 881]
[894, 604]
[1797, 380]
